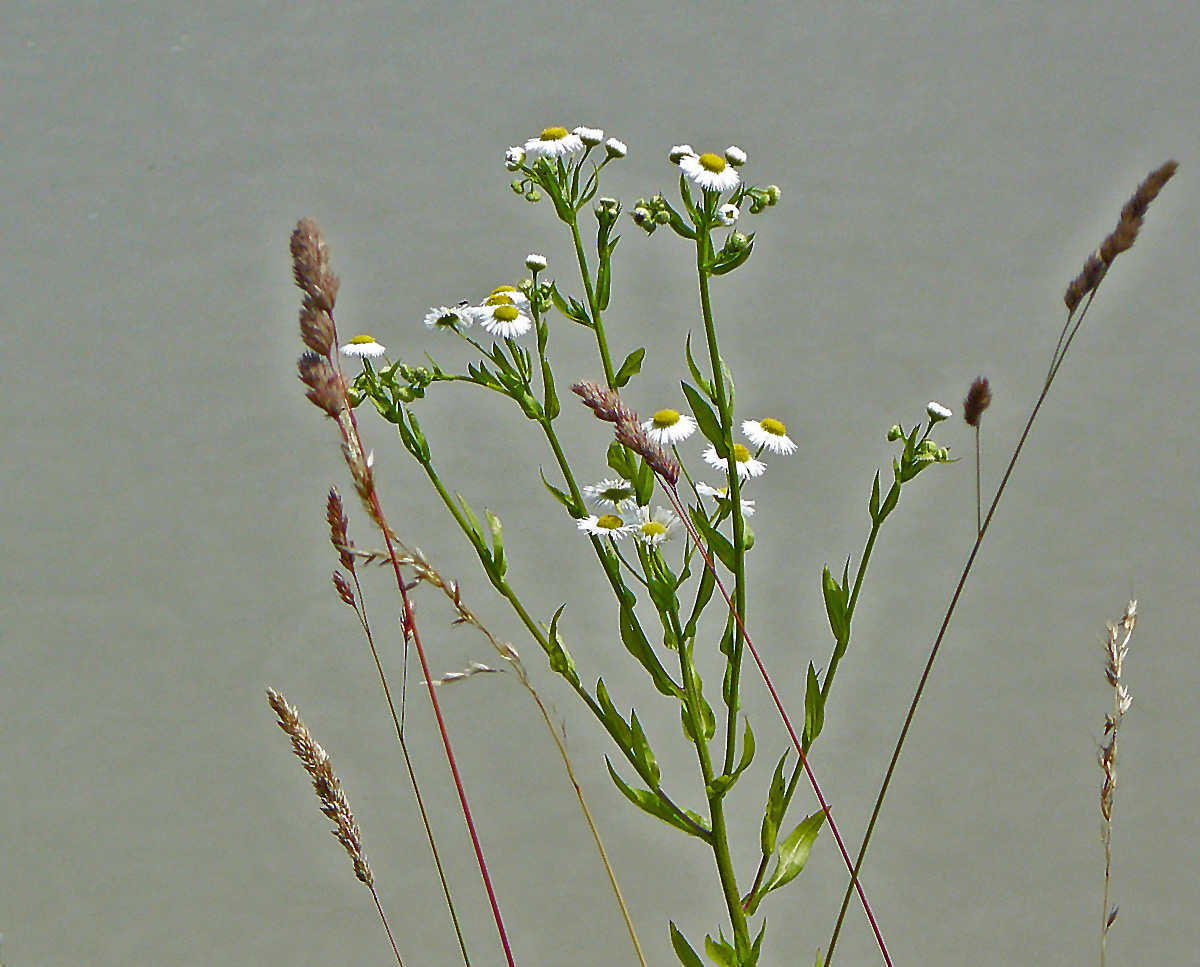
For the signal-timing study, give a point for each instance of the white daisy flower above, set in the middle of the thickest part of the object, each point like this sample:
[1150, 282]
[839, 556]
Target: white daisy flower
[553, 143]
[735, 156]
[656, 529]
[589, 136]
[607, 525]
[456, 317]
[709, 171]
[615, 148]
[514, 158]
[728, 214]
[769, 433]
[535, 263]
[616, 493]
[502, 318]
[722, 493]
[363, 346]
[937, 412]
[680, 151]
[668, 427]
[747, 466]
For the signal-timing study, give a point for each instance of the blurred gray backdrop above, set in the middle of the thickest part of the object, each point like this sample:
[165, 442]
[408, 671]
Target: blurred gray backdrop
[946, 168]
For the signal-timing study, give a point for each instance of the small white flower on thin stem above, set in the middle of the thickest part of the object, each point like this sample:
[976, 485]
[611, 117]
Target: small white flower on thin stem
[616, 493]
[747, 466]
[769, 433]
[722, 493]
[668, 427]
[514, 158]
[680, 151]
[553, 143]
[656, 529]
[535, 263]
[728, 214]
[606, 525]
[615, 148]
[503, 319]
[589, 136]
[709, 172]
[937, 412]
[456, 317]
[363, 346]
[735, 156]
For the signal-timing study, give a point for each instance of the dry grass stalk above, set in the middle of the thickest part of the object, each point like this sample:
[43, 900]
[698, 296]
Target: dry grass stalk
[608, 406]
[1115, 649]
[329, 791]
[1121, 238]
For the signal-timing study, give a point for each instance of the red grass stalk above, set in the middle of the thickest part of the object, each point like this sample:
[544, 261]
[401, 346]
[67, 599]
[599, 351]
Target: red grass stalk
[321, 372]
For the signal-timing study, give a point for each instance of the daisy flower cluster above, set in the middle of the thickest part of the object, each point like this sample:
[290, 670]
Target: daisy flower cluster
[617, 513]
[564, 152]
[504, 313]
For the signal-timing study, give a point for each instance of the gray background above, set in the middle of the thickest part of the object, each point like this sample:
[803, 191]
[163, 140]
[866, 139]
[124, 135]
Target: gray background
[946, 167]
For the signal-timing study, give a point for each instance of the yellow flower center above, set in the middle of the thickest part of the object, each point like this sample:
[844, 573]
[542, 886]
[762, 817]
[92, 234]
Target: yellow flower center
[498, 299]
[505, 313]
[774, 427]
[712, 162]
[616, 494]
[362, 340]
[503, 288]
[740, 453]
[653, 528]
[610, 522]
[554, 134]
[665, 418]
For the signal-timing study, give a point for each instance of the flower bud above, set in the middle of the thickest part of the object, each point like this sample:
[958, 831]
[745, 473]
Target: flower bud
[535, 263]
[680, 151]
[735, 156]
[513, 158]
[615, 148]
[895, 433]
[937, 413]
[589, 136]
[773, 194]
[533, 195]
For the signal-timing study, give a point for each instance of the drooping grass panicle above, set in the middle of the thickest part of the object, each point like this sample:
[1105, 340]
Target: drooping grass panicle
[1121, 238]
[1085, 284]
[1116, 646]
[608, 406]
[329, 791]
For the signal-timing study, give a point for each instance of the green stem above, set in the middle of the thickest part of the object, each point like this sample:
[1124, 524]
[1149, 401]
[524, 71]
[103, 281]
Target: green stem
[593, 306]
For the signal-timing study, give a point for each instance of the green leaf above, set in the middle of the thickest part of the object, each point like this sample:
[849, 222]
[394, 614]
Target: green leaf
[873, 505]
[708, 721]
[720, 951]
[564, 498]
[560, 661]
[643, 755]
[551, 407]
[729, 264]
[613, 720]
[703, 383]
[473, 521]
[707, 420]
[630, 368]
[722, 784]
[717, 542]
[497, 543]
[683, 950]
[814, 708]
[835, 606]
[638, 645]
[891, 500]
[793, 852]
[621, 462]
[650, 802]
[776, 804]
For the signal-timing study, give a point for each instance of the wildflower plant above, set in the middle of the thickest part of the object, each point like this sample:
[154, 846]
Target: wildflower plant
[670, 546]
